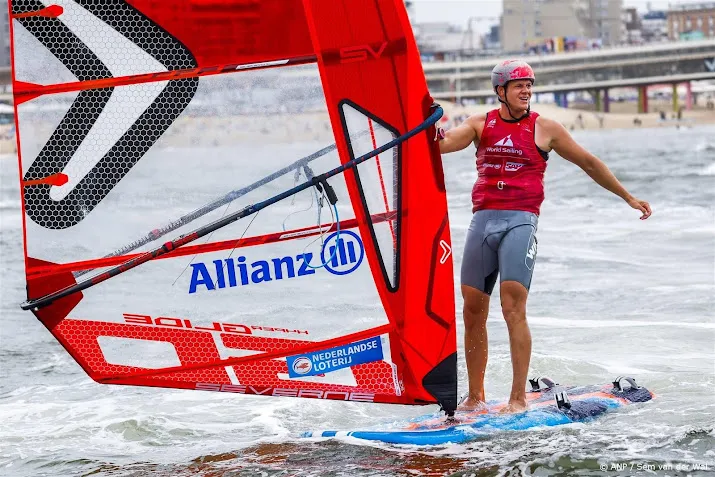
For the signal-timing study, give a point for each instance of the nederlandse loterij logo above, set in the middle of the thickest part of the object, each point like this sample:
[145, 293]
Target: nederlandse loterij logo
[302, 365]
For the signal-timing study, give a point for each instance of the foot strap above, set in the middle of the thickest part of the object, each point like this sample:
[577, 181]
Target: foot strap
[536, 386]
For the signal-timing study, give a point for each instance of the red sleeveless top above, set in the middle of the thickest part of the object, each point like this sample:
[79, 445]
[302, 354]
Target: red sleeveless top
[510, 166]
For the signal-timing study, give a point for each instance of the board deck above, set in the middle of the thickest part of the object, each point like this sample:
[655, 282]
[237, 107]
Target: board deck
[581, 403]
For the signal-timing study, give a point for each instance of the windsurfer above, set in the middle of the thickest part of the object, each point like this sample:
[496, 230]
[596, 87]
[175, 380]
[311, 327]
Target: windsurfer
[512, 144]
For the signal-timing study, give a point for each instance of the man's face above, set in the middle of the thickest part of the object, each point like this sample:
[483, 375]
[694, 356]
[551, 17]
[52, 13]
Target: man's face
[518, 93]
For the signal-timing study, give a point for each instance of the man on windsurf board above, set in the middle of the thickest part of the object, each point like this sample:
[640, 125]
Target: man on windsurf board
[513, 145]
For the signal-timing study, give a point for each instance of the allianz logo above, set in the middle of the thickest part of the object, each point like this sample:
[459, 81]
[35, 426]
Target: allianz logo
[347, 255]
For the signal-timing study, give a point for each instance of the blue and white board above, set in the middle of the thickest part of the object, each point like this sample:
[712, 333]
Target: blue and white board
[550, 406]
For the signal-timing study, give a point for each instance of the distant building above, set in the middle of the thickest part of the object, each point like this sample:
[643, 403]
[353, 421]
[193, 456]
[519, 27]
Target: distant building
[410, 7]
[442, 40]
[528, 22]
[632, 27]
[603, 20]
[492, 40]
[4, 36]
[692, 21]
[654, 26]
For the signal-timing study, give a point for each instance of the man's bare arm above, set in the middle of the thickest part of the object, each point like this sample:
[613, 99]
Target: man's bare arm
[462, 136]
[566, 147]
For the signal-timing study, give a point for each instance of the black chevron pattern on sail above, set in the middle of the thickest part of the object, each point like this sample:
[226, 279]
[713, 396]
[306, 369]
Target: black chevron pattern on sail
[79, 119]
[88, 106]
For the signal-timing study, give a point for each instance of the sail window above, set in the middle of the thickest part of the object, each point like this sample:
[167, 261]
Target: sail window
[379, 183]
[138, 353]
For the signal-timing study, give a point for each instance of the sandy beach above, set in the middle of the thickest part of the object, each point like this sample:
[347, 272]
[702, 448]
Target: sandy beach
[314, 126]
[221, 129]
[623, 119]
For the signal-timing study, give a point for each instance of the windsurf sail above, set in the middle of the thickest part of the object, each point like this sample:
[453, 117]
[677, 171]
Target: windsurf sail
[185, 225]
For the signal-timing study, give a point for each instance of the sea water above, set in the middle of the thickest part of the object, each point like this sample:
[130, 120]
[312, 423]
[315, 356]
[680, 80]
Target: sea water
[611, 295]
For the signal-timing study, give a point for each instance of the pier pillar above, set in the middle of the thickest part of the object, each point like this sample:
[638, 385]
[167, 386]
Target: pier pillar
[643, 99]
[606, 101]
[561, 99]
[688, 96]
[597, 99]
[676, 101]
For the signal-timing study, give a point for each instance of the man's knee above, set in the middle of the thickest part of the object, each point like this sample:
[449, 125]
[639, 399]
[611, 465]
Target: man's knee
[514, 316]
[513, 302]
[476, 307]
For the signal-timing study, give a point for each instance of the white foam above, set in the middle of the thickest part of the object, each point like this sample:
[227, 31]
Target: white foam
[585, 323]
[708, 171]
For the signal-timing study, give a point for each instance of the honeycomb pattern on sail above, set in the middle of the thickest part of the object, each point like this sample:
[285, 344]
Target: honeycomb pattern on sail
[142, 32]
[118, 14]
[95, 161]
[191, 347]
[196, 347]
[61, 42]
[110, 167]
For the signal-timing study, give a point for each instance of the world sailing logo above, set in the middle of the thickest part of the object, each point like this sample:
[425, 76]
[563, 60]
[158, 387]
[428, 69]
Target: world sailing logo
[505, 146]
[340, 258]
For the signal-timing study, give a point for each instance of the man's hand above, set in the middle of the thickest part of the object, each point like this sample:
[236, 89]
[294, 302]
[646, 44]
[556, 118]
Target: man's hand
[641, 205]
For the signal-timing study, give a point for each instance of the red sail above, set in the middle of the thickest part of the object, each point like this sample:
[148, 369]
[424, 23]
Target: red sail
[163, 117]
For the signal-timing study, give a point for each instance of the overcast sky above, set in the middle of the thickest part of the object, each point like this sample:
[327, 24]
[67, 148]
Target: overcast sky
[486, 12]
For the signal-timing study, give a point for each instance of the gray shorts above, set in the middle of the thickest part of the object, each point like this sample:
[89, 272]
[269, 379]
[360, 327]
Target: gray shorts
[499, 242]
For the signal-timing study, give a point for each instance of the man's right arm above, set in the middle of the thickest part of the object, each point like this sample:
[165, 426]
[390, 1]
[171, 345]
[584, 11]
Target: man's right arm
[462, 136]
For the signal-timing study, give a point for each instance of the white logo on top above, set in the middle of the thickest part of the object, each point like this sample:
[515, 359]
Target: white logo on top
[446, 251]
[505, 146]
[532, 251]
[513, 166]
[492, 123]
[506, 142]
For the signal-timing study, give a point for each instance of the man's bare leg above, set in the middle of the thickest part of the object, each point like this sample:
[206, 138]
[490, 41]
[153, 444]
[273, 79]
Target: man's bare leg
[476, 310]
[513, 301]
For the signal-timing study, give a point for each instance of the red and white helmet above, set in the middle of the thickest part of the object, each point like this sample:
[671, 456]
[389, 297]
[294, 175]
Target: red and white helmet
[511, 70]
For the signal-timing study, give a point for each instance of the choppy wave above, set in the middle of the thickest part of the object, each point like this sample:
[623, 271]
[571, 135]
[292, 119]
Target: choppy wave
[710, 169]
[576, 322]
[653, 279]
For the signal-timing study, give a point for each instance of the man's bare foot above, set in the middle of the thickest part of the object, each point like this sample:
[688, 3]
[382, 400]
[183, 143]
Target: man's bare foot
[472, 404]
[514, 407]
